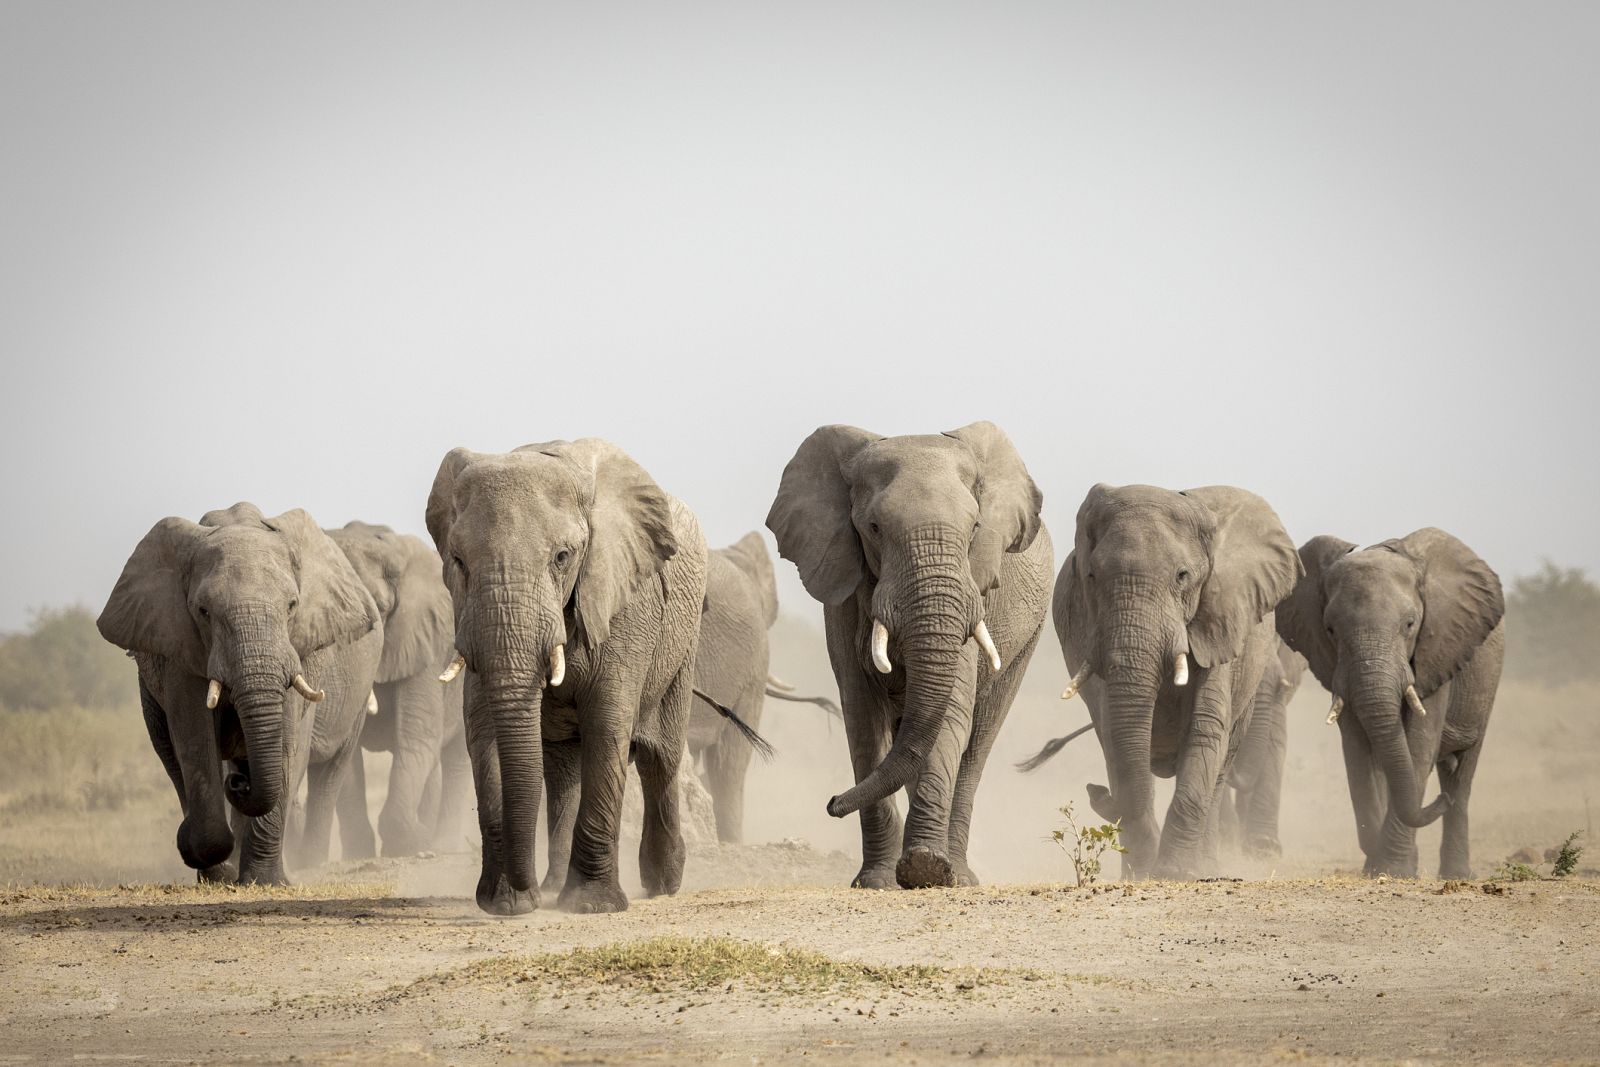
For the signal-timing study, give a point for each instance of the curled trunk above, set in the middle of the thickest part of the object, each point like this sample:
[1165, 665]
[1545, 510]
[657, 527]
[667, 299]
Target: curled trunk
[1378, 708]
[260, 709]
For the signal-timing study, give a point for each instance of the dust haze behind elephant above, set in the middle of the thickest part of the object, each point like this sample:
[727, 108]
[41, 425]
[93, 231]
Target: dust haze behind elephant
[236, 622]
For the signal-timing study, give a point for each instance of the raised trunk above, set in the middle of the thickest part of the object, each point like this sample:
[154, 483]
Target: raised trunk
[1377, 706]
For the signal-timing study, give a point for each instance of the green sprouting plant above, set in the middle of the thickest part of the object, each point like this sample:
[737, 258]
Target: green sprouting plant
[1084, 845]
[1512, 871]
[1567, 855]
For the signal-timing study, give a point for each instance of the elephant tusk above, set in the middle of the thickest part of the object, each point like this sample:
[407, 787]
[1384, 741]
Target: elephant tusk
[305, 690]
[880, 647]
[1180, 670]
[372, 702]
[454, 669]
[1415, 701]
[1333, 712]
[1077, 680]
[985, 642]
[779, 684]
[213, 694]
[558, 664]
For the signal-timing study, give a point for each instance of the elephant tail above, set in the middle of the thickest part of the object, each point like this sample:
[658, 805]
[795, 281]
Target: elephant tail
[762, 746]
[822, 702]
[1045, 754]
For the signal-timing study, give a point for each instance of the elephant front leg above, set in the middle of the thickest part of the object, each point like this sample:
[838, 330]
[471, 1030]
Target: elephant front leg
[592, 879]
[867, 732]
[455, 785]
[926, 859]
[417, 708]
[661, 851]
[1201, 765]
[1397, 844]
[1455, 777]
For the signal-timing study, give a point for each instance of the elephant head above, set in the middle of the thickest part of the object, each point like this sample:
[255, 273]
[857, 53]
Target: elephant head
[750, 555]
[1158, 578]
[541, 546]
[915, 529]
[242, 601]
[1385, 627]
[402, 574]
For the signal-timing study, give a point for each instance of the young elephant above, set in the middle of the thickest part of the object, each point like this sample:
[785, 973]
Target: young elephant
[236, 624]
[1407, 636]
[1250, 810]
[1158, 579]
[931, 562]
[577, 586]
[416, 718]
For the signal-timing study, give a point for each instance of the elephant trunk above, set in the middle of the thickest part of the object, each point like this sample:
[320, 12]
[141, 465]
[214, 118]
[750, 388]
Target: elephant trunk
[1138, 655]
[260, 708]
[1377, 701]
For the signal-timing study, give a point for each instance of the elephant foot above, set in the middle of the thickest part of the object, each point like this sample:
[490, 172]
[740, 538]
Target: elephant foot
[923, 868]
[1100, 802]
[964, 875]
[221, 872]
[555, 879]
[263, 874]
[1262, 846]
[1460, 871]
[496, 897]
[593, 897]
[879, 877]
[1390, 868]
[661, 867]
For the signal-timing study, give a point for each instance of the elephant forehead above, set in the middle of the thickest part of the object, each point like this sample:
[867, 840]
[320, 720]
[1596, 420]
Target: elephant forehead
[519, 478]
[243, 556]
[924, 457]
[1371, 578]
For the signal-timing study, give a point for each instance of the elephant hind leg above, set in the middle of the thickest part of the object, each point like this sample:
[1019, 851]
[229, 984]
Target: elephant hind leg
[1455, 778]
[455, 785]
[661, 851]
[356, 840]
[727, 763]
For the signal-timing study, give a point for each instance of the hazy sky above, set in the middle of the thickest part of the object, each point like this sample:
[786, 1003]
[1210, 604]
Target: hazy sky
[1345, 255]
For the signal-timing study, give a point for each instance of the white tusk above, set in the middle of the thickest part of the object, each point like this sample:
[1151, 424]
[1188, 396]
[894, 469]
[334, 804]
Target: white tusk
[1180, 670]
[1415, 701]
[1333, 712]
[454, 669]
[372, 703]
[779, 684]
[1077, 680]
[300, 686]
[880, 647]
[213, 694]
[985, 642]
[558, 664]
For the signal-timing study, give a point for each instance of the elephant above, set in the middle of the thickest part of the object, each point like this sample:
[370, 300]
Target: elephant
[256, 644]
[1409, 637]
[731, 671]
[1250, 808]
[415, 717]
[576, 585]
[1158, 578]
[931, 561]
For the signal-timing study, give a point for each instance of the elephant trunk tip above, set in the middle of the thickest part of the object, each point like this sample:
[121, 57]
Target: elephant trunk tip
[839, 807]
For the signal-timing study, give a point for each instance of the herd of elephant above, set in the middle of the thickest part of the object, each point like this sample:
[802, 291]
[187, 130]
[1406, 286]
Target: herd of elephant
[570, 620]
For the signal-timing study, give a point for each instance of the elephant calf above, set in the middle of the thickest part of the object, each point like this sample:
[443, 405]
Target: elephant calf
[1408, 636]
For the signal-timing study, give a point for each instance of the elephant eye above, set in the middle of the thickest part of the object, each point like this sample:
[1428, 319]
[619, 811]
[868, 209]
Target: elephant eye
[563, 557]
[1409, 624]
[462, 566]
[1183, 575]
[205, 614]
[873, 527]
[294, 604]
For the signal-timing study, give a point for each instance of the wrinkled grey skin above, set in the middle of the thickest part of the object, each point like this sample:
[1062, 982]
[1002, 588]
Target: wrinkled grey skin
[250, 602]
[418, 719]
[570, 544]
[929, 535]
[1421, 610]
[1250, 808]
[731, 667]
[1155, 573]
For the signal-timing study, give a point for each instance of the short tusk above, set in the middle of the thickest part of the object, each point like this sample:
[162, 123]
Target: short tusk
[1180, 670]
[1415, 701]
[454, 669]
[305, 690]
[372, 702]
[558, 664]
[1333, 712]
[880, 647]
[779, 684]
[985, 642]
[213, 694]
[1077, 681]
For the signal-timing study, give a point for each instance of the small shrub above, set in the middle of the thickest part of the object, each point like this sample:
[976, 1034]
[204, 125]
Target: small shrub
[1512, 871]
[1567, 856]
[1084, 845]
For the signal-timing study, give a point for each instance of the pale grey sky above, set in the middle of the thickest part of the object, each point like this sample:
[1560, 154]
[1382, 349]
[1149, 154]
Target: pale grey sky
[1345, 255]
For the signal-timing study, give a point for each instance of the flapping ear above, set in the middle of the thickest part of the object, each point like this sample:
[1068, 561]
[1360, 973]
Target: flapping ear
[810, 516]
[630, 530]
[1253, 567]
[1462, 601]
[1299, 617]
[334, 608]
[749, 554]
[148, 610]
[1008, 501]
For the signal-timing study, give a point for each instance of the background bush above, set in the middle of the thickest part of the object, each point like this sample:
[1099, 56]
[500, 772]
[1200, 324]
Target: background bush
[1553, 626]
[62, 661]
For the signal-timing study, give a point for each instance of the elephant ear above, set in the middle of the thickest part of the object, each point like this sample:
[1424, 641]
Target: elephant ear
[148, 610]
[630, 530]
[1299, 618]
[1462, 601]
[378, 558]
[419, 635]
[441, 511]
[1071, 614]
[1253, 567]
[1008, 501]
[810, 516]
[335, 608]
[750, 555]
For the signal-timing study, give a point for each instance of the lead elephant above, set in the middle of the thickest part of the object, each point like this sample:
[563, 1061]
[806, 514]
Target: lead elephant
[1251, 806]
[932, 564]
[1159, 580]
[415, 718]
[1408, 636]
[576, 585]
[256, 644]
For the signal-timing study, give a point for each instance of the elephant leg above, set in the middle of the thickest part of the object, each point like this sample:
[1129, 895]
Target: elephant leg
[428, 805]
[727, 763]
[322, 783]
[417, 710]
[1202, 762]
[1397, 845]
[1259, 806]
[661, 851]
[866, 728]
[455, 785]
[1365, 800]
[493, 893]
[563, 775]
[1455, 778]
[926, 859]
[1228, 805]
[356, 840]
[592, 878]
